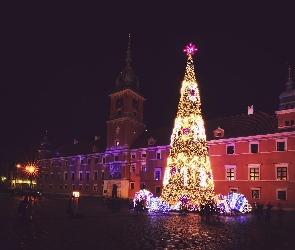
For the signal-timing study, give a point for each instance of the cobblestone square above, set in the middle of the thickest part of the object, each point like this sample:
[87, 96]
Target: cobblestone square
[45, 226]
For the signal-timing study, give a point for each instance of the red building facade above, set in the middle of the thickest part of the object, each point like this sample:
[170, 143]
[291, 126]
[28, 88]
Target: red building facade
[252, 153]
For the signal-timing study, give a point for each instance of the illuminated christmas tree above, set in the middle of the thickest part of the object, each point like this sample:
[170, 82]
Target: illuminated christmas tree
[188, 179]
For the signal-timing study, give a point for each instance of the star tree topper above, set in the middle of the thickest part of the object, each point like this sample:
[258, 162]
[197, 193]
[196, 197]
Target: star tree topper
[190, 49]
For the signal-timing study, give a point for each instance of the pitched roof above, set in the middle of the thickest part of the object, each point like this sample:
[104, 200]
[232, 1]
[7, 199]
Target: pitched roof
[161, 136]
[258, 123]
[80, 148]
[243, 125]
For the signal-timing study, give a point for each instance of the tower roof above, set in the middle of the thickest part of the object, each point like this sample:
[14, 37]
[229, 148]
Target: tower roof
[287, 98]
[127, 78]
[45, 144]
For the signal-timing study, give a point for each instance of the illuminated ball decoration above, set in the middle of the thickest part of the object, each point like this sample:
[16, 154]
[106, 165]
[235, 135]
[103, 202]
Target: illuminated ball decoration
[233, 203]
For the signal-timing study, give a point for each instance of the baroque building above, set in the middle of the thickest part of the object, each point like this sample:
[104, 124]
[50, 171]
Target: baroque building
[251, 153]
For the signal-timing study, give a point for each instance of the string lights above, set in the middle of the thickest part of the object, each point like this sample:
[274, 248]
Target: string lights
[188, 179]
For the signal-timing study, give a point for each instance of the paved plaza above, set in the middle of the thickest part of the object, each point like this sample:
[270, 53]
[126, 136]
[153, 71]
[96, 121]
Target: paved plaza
[45, 226]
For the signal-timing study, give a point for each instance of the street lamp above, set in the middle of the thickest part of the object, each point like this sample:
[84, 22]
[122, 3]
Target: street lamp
[31, 170]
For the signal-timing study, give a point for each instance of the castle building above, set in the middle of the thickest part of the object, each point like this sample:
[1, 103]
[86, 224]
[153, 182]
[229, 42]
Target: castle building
[251, 153]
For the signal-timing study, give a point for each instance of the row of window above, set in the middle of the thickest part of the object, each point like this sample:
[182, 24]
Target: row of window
[80, 187]
[96, 161]
[254, 173]
[73, 176]
[143, 186]
[254, 147]
[81, 176]
[281, 194]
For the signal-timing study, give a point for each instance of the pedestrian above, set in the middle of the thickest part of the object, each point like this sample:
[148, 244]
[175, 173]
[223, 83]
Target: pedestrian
[268, 211]
[69, 210]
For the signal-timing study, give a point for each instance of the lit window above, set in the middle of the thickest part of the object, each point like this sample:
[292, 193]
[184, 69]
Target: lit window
[230, 172]
[143, 168]
[282, 173]
[157, 174]
[254, 172]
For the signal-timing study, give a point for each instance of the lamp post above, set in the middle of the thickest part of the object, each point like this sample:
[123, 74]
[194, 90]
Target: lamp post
[31, 171]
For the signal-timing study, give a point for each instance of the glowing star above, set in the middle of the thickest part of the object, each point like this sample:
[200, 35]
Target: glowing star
[190, 49]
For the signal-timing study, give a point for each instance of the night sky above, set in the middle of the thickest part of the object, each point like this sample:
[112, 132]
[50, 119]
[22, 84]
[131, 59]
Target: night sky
[62, 59]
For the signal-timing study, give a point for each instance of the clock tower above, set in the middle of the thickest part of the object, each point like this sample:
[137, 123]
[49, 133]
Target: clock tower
[126, 113]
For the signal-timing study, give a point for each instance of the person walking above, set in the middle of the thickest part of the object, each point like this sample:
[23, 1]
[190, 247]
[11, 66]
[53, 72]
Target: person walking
[268, 211]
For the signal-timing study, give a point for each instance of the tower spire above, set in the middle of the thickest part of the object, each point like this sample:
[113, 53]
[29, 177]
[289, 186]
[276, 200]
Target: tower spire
[128, 58]
[127, 78]
[289, 83]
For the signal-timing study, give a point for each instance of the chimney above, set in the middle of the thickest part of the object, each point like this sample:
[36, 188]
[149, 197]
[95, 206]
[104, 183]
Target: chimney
[250, 110]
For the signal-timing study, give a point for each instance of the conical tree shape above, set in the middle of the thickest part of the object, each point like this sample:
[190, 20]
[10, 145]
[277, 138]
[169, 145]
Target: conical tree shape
[188, 176]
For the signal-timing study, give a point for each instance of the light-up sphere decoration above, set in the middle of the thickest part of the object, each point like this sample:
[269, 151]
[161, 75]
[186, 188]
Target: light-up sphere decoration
[233, 202]
[144, 196]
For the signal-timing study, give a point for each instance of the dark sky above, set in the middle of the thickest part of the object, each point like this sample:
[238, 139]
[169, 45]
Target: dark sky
[61, 61]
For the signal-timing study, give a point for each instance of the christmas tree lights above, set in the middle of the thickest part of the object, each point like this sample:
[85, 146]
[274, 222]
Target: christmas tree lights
[188, 176]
